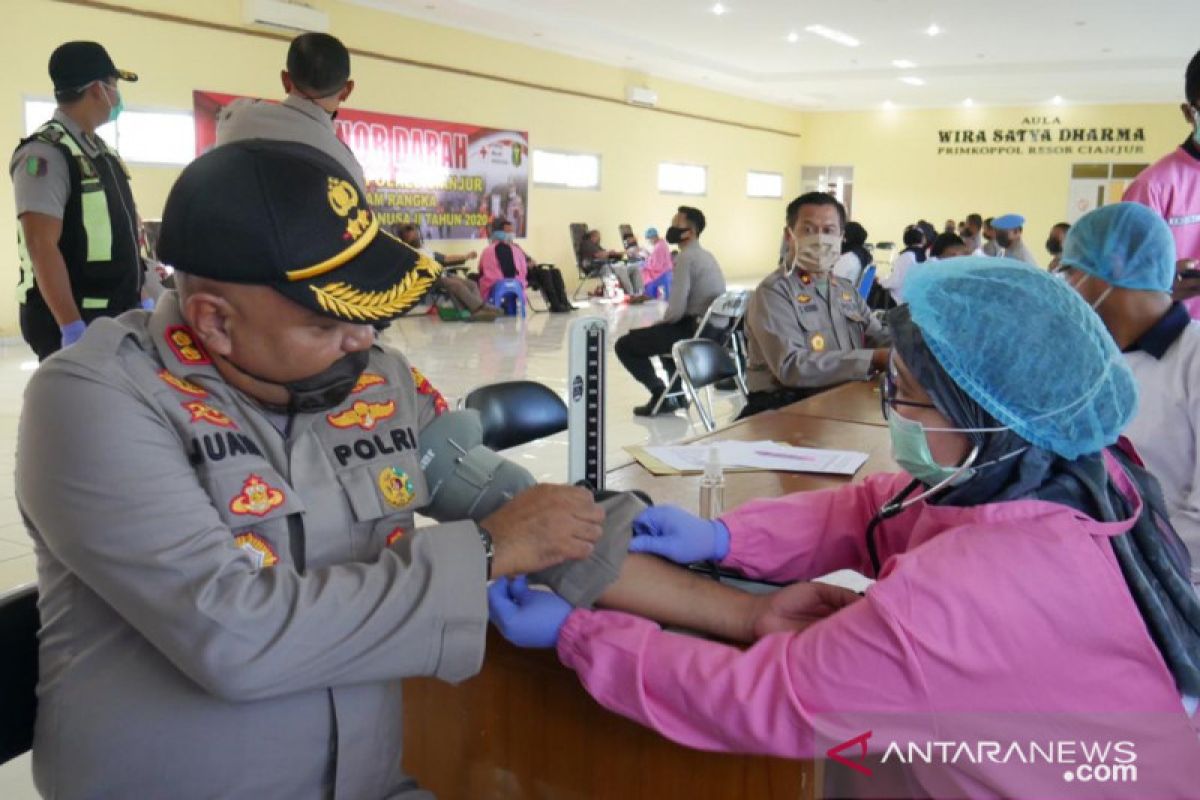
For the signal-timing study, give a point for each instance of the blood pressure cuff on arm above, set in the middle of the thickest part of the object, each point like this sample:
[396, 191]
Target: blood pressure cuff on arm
[581, 583]
[468, 481]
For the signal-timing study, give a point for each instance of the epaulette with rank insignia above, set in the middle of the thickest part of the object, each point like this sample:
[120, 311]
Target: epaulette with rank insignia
[52, 134]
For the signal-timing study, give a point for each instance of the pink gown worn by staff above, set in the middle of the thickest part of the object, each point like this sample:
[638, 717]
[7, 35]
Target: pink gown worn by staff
[659, 262]
[1010, 608]
[489, 268]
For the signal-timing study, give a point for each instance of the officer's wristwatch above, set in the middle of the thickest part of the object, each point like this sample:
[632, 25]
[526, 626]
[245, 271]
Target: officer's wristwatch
[489, 548]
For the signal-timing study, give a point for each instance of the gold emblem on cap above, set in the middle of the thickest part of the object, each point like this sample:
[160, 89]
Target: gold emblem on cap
[343, 197]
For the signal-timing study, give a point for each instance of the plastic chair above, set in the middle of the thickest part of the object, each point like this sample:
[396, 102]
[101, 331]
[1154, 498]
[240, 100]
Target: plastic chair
[19, 625]
[719, 324]
[701, 363]
[660, 287]
[516, 412]
[508, 294]
[866, 281]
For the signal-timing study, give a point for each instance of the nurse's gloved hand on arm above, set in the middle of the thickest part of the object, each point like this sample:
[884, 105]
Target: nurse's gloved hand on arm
[526, 617]
[678, 536]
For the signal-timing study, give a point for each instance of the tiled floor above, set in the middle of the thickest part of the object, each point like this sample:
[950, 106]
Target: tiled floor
[456, 357]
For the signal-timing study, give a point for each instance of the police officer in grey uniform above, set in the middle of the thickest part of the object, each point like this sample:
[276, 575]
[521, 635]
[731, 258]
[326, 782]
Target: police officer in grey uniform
[222, 495]
[78, 237]
[808, 329]
[317, 81]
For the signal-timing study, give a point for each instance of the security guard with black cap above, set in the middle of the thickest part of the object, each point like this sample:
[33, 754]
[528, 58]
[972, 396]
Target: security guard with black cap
[231, 584]
[78, 237]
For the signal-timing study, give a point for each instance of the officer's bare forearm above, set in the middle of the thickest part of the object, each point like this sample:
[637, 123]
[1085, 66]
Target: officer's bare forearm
[49, 269]
[656, 589]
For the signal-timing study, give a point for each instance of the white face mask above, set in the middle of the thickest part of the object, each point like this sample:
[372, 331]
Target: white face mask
[816, 252]
[1099, 300]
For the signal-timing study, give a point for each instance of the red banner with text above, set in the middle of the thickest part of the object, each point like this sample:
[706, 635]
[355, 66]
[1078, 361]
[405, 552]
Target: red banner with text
[448, 178]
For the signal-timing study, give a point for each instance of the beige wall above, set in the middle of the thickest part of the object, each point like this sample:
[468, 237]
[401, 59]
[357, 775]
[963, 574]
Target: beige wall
[173, 59]
[899, 175]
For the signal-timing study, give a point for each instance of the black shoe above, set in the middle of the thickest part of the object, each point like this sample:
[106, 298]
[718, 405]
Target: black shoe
[669, 406]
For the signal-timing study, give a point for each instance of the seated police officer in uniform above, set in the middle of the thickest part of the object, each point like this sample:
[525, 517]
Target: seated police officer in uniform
[808, 329]
[222, 495]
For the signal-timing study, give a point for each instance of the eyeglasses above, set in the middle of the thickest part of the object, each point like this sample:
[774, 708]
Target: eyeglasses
[887, 395]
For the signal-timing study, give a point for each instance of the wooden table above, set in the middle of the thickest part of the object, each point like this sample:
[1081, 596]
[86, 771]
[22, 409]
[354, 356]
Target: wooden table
[524, 728]
[782, 425]
[850, 402]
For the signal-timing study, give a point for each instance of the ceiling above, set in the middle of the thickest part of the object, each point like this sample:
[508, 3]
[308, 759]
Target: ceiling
[1017, 52]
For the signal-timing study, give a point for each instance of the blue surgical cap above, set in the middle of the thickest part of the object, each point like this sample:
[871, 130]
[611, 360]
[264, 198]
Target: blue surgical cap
[651, 233]
[1027, 348]
[1124, 244]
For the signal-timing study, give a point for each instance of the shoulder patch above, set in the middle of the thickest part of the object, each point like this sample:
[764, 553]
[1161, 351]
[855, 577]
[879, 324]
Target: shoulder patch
[440, 406]
[36, 166]
[50, 133]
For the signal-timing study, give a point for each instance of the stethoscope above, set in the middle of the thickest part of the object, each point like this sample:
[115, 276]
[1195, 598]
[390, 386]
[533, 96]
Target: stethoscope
[901, 501]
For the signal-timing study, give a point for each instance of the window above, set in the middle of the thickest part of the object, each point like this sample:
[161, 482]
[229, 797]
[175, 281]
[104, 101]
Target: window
[566, 170]
[682, 179]
[835, 180]
[764, 184]
[140, 136]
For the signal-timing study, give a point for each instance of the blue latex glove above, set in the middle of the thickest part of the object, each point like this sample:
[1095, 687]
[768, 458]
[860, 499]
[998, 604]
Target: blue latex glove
[72, 332]
[148, 303]
[526, 617]
[674, 534]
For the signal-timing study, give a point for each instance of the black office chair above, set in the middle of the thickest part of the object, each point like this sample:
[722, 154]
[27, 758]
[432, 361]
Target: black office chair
[516, 412]
[702, 363]
[18, 670]
[587, 271]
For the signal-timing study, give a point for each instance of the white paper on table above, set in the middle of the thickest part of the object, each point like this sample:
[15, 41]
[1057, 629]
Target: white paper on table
[772, 456]
[786, 458]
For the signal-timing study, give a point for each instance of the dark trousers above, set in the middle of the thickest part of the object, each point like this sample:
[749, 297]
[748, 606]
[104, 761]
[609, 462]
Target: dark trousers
[635, 348]
[549, 281]
[41, 332]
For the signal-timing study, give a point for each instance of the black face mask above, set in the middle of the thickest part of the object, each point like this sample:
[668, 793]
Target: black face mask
[1004, 239]
[675, 235]
[1054, 246]
[320, 392]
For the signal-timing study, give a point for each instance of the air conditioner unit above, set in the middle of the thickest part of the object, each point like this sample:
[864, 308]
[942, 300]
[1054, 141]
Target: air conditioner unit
[641, 96]
[285, 16]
